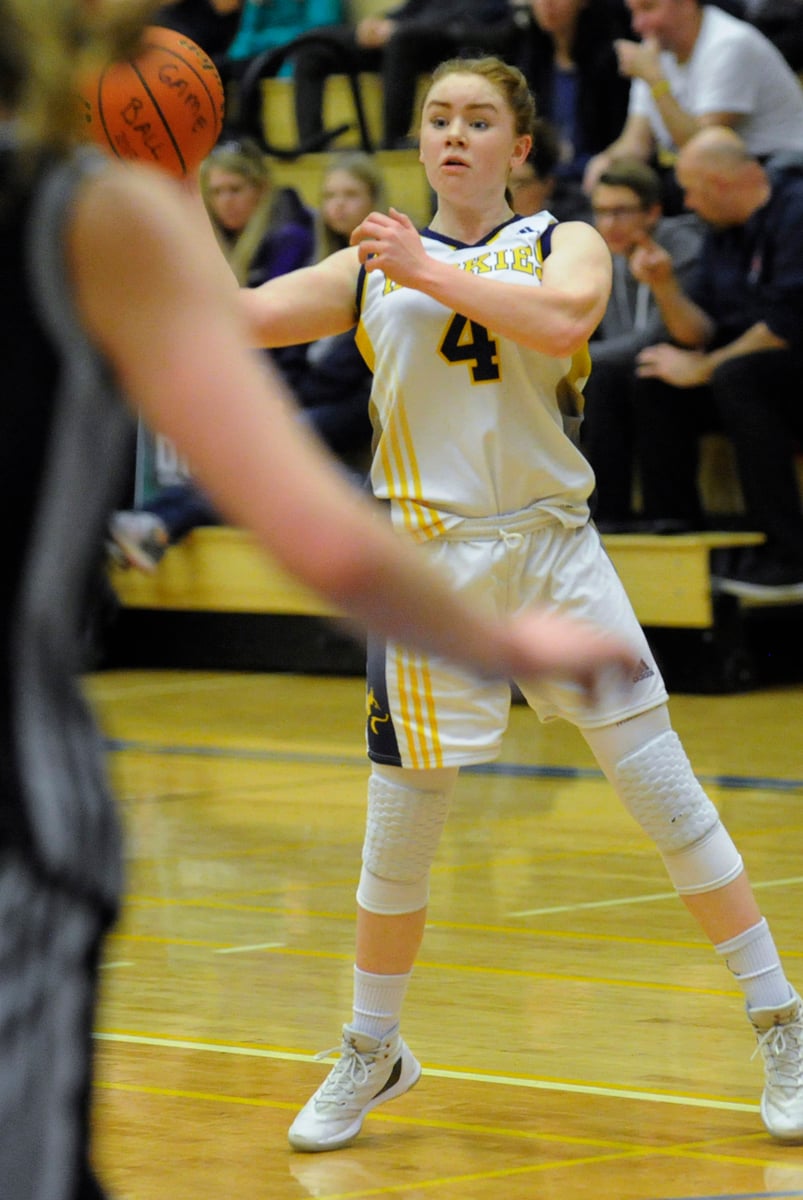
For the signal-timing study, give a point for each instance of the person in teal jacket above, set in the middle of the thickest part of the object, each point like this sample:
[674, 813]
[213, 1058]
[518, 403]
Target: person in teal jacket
[269, 24]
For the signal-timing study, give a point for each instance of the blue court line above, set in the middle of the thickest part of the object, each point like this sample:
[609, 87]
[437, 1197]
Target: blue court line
[736, 1196]
[512, 770]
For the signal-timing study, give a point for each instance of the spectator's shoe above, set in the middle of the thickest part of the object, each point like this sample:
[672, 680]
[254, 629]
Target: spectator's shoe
[762, 579]
[369, 1071]
[140, 537]
[780, 1040]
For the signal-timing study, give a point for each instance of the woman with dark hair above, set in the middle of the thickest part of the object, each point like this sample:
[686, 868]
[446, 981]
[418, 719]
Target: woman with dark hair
[568, 58]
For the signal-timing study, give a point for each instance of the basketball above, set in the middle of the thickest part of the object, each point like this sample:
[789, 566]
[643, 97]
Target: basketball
[163, 107]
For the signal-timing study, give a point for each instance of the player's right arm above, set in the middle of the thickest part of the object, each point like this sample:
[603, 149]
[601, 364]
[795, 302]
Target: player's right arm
[303, 305]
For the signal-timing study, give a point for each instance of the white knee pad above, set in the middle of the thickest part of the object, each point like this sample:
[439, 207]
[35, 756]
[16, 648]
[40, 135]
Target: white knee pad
[402, 833]
[660, 790]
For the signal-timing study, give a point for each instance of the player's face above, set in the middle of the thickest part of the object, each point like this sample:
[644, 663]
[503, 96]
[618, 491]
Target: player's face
[468, 143]
[345, 201]
[620, 217]
[232, 198]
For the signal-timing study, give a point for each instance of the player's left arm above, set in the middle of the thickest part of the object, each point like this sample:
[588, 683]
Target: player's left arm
[556, 318]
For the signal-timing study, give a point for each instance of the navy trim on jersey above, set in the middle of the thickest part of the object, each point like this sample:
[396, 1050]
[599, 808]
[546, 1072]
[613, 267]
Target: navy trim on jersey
[358, 299]
[456, 245]
[383, 746]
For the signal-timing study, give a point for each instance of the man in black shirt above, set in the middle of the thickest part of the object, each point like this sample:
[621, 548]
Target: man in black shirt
[739, 353]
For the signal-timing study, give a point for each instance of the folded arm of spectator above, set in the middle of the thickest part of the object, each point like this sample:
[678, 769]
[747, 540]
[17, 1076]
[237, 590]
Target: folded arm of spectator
[693, 368]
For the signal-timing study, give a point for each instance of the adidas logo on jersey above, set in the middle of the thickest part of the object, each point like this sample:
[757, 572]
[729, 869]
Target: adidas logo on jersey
[643, 671]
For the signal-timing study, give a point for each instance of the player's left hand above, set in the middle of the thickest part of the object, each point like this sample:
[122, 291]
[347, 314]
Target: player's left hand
[681, 368]
[389, 242]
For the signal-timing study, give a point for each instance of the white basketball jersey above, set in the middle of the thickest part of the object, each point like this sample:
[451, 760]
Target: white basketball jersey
[467, 424]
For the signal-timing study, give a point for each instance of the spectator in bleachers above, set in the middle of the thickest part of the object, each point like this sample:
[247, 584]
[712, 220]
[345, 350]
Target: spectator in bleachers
[568, 58]
[401, 44]
[329, 377]
[271, 24]
[532, 183]
[331, 380]
[697, 66]
[626, 204]
[264, 231]
[738, 355]
[210, 23]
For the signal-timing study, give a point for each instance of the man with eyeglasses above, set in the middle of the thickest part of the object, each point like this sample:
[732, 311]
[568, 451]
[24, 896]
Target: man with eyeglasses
[626, 205]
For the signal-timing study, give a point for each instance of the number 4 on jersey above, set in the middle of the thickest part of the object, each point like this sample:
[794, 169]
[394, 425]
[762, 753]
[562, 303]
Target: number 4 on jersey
[467, 342]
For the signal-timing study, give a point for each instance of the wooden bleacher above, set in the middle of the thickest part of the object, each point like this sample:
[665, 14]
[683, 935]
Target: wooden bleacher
[217, 602]
[219, 569]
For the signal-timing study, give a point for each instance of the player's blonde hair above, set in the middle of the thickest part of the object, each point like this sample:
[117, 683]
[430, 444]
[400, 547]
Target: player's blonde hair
[46, 47]
[508, 81]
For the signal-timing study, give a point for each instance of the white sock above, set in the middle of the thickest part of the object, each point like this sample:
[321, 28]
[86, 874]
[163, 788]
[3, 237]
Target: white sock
[753, 961]
[378, 1001]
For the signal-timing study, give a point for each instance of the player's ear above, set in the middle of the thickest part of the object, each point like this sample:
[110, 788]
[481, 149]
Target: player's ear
[521, 149]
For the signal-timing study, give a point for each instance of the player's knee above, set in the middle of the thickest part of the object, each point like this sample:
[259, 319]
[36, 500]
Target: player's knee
[659, 789]
[402, 834]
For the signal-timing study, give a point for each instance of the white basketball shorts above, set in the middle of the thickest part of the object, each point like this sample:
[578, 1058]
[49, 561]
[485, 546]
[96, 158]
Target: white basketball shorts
[424, 712]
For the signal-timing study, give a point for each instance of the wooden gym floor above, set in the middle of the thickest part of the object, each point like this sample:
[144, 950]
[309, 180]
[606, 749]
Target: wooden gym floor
[579, 1038]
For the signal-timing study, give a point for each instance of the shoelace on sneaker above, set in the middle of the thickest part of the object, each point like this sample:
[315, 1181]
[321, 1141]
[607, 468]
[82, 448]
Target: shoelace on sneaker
[348, 1073]
[781, 1049]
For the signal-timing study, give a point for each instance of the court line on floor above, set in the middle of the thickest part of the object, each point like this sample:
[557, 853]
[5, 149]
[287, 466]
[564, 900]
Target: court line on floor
[523, 770]
[548, 1085]
[621, 901]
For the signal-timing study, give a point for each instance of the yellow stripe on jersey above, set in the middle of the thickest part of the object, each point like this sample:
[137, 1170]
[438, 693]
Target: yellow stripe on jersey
[365, 346]
[570, 387]
[402, 476]
[417, 706]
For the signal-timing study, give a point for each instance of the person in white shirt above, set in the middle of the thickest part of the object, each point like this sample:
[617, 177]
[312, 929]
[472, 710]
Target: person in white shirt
[695, 66]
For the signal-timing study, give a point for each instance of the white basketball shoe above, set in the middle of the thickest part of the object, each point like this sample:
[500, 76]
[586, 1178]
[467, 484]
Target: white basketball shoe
[780, 1041]
[369, 1072]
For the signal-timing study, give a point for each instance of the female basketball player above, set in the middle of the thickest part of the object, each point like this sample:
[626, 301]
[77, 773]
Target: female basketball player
[476, 331]
[107, 291]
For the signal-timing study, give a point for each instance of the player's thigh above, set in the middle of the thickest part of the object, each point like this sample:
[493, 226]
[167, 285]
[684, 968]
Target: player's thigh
[583, 584]
[422, 710]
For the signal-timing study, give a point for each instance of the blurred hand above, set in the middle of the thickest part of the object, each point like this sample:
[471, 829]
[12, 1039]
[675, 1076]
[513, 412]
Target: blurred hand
[372, 33]
[561, 647]
[639, 60]
[649, 262]
[594, 168]
[681, 368]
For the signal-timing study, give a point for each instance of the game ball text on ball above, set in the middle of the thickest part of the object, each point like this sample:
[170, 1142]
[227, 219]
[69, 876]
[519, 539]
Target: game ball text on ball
[165, 106]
